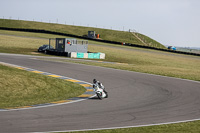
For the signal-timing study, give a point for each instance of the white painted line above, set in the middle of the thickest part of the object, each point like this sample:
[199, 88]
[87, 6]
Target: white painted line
[175, 122]
[50, 105]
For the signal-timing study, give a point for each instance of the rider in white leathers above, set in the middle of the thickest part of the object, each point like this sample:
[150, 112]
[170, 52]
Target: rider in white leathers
[100, 85]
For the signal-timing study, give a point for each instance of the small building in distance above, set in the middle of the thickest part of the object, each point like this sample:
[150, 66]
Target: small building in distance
[73, 48]
[93, 35]
[71, 45]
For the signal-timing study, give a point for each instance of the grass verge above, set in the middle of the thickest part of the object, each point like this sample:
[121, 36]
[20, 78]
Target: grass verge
[20, 45]
[27, 88]
[159, 63]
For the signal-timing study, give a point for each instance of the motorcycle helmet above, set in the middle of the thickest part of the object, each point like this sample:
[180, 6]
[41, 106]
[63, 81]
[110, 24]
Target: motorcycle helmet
[94, 81]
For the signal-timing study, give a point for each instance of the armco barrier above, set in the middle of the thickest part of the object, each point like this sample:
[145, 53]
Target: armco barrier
[94, 55]
[106, 41]
[79, 55]
[87, 55]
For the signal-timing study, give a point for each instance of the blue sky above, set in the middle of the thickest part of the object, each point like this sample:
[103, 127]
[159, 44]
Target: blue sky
[170, 22]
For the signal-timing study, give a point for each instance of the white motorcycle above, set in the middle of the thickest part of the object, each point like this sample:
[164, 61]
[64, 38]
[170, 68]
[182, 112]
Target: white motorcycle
[101, 93]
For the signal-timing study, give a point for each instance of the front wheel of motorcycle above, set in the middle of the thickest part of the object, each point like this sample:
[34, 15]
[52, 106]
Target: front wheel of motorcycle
[99, 96]
[106, 94]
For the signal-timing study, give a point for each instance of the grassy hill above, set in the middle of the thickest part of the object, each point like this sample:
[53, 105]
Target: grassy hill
[105, 34]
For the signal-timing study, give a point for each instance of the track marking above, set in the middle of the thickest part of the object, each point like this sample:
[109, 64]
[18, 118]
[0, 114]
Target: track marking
[55, 76]
[85, 85]
[62, 101]
[89, 90]
[85, 95]
[20, 68]
[79, 98]
[37, 71]
[72, 80]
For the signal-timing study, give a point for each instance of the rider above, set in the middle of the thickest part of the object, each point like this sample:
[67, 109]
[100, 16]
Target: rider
[99, 84]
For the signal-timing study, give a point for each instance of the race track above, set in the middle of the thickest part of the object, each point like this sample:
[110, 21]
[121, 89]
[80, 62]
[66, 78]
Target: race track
[134, 99]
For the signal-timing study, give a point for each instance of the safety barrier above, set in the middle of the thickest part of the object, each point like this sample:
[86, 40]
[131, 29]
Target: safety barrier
[99, 40]
[87, 55]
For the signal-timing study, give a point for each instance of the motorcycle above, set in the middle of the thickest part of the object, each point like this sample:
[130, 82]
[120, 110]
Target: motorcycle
[101, 93]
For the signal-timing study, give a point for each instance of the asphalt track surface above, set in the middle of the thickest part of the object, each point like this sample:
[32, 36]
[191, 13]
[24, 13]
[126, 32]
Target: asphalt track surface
[134, 99]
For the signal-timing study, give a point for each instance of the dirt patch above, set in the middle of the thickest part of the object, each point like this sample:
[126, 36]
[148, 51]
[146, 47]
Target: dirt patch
[35, 53]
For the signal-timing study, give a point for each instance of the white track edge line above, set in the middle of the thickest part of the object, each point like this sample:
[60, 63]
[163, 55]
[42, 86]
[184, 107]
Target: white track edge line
[166, 123]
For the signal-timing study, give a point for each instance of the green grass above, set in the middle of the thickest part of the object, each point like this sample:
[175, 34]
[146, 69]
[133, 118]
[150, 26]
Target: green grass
[153, 62]
[22, 88]
[23, 42]
[132, 59]
[105, 34]
[21, 45]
